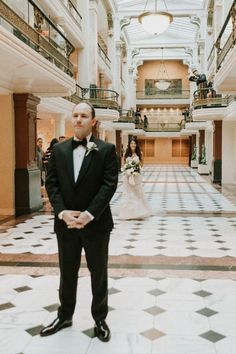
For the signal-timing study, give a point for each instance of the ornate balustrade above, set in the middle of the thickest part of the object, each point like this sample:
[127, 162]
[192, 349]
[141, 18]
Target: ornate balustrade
[98, 97]
[227, 36]
[74, 12]
[168, 94]
[160, 127]
[104, 56]
[36, 30]
[207, 98]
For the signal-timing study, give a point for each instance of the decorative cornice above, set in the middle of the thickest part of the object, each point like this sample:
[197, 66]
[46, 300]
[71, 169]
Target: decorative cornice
[135, 52]
[124, 22]
[186, 62]
[189, 51]
[139, 63]
[195, 21]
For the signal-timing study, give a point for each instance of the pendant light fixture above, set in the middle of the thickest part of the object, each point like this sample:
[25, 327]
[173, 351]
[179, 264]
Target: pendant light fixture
[163, 82]
[155, 22]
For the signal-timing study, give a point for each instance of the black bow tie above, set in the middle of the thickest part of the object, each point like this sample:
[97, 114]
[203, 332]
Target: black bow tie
[76, 143]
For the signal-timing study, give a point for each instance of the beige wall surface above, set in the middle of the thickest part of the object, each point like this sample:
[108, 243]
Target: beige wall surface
[46, 130]
[175, 70]
[7, 156]
[162, 151]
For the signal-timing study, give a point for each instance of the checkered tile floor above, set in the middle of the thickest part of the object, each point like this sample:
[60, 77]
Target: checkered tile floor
[193, 313]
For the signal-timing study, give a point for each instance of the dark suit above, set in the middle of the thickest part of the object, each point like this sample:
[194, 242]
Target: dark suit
[93, 190]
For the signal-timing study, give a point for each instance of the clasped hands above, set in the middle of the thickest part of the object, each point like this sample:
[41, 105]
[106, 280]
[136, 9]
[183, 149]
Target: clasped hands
[75, 219]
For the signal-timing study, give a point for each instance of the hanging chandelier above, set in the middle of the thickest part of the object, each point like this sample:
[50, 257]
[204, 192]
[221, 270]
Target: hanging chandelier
[163, 82]
[155, 22]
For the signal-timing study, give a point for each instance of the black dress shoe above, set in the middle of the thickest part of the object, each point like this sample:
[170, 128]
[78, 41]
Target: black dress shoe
[55, 326]
[102, 331]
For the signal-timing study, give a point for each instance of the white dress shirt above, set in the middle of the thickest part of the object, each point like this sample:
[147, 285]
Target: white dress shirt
[78, 156]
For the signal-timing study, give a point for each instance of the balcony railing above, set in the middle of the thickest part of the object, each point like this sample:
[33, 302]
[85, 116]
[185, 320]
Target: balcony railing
[168, 94]
[104, 57]
[126, 115]
[159, 127]
[227, 37]
[74, 12]
[37, 31]
[98, 97]
[205, 98]
[211, 57]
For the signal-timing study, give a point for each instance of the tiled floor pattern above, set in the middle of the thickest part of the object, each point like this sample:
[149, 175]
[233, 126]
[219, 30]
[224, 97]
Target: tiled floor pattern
[188, 314]
[147, 315]
[158, 236]
[175, 188]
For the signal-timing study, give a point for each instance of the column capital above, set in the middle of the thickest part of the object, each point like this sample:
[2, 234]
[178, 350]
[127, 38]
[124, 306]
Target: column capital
[135, 52]
[125, 21]
[139, 63]
[195, 20]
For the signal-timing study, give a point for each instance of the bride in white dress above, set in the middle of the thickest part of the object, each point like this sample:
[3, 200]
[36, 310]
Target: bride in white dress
[133, 203]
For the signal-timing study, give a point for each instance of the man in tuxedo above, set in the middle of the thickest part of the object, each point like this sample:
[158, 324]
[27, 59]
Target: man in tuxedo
[82, 178]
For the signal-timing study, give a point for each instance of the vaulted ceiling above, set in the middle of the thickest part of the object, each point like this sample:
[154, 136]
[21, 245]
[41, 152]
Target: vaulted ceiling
[179, 39]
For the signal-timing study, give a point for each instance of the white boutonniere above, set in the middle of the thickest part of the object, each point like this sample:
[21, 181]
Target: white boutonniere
[90, 147]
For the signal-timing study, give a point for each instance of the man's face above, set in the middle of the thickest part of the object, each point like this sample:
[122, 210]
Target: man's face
[40, 143]
[82, 120]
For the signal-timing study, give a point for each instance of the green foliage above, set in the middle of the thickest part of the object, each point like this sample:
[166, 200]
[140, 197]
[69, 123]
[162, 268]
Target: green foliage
[194, 153]
[203, 156]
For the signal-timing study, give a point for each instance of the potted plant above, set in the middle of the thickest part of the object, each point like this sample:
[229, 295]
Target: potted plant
[202, 167]
[194, 157]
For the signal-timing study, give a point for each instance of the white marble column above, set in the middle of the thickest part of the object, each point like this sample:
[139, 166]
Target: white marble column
[117, 69]
[60, 125]
[228, 152]
[83, 53]
[218, 18]
[209, 145]
[92, 43]
[130, 89]
[124, 139]
[197, 146]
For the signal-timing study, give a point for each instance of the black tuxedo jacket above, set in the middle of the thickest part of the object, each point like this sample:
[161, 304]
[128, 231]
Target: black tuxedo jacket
[93, 190]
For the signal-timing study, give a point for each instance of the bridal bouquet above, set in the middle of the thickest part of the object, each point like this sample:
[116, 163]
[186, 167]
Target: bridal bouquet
[131, 169]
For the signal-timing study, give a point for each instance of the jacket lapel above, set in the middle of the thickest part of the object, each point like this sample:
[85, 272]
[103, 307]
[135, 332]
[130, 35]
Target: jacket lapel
[85, 164]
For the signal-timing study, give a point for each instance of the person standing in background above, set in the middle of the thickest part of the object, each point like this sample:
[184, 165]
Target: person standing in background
[145, 122]
[39, 159]
[48, 152]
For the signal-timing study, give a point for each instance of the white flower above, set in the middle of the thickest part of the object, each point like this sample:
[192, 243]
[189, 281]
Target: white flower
[90, 147]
